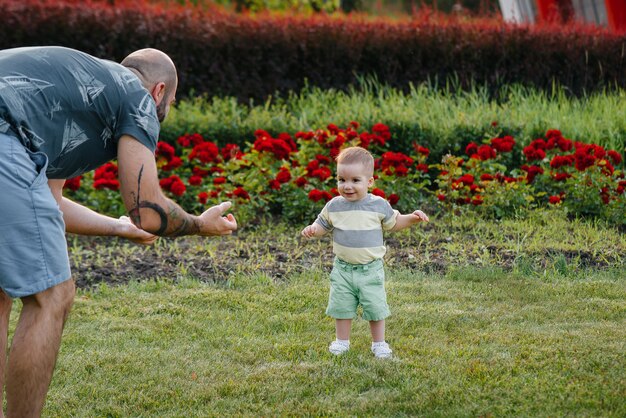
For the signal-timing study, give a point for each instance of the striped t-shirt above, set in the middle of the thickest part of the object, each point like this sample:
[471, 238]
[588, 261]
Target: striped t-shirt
[358, 227]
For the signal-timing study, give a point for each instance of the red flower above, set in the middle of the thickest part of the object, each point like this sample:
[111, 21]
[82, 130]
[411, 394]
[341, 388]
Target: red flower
[313, 165]
[105, 177]
[173, 184]
[615, 156]
[471, 148]
[72, 184]
[195, 180]
[532, 171]
[287, 139]
[301, 181]
[307, 136]
[219, 180]
[187, 140]
[584, 157]
[197, 171]
[172, 164]
[284, 175]
[241, 193]
[332, 128]
[231, 151]
[203, 197]
[477, 200]
[486, 177]
[503, 144]
[532, 153]
[165, 150]
[278, 147]
[323, 159]
[274, 185]
[322, 173]
[382, 131]
[393, 199]
[206, 152]
[556, 140]
[554, 200]
[485, 152]
[395, 162]
[421, 150]
[422, 167]
[316, 195]
[441, 197]
[466, 179]
[378, 192]
[559, 161]
[561, 176]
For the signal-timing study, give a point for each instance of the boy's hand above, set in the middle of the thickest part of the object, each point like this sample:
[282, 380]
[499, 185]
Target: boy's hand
[309, 231]
[422, 217]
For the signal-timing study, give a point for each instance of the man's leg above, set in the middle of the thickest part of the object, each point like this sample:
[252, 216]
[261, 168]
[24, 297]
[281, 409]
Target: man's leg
[35, 347]
[5, 312]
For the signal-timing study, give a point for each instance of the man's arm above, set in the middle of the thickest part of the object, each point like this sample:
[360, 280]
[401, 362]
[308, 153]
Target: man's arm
[150, 209]
[84, 221]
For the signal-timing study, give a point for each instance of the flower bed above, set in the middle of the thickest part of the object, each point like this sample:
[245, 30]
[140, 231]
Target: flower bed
[293, 175]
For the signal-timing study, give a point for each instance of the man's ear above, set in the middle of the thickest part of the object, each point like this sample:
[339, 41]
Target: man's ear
[158, 92]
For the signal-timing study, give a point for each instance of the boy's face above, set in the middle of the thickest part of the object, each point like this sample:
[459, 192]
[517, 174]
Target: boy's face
[353, 181]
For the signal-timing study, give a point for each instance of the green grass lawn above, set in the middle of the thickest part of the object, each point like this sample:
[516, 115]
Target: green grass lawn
[475, 341]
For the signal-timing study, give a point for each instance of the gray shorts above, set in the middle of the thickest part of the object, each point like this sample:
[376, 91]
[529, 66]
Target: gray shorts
[33, 249]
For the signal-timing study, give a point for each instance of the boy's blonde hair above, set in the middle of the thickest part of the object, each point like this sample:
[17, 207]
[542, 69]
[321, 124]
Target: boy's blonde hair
[354, 155]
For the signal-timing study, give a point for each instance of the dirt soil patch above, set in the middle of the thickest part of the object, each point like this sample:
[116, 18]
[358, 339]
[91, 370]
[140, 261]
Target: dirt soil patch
[96, 260]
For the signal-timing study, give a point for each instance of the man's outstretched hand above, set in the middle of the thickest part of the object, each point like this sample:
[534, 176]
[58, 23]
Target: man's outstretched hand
[213, 221]
[128, 230]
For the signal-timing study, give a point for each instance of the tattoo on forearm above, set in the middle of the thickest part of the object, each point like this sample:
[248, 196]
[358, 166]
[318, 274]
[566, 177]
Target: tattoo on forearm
[134, 214]
[184, 228]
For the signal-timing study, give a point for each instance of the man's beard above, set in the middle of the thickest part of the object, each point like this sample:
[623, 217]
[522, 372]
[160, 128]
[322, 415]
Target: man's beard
[161, 111]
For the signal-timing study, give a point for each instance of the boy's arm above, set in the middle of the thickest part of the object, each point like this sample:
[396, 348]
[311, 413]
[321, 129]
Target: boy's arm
[405, 221]
[313, 230]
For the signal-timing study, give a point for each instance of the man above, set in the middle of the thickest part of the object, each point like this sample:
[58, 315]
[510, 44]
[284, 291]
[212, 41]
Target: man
[62, 113]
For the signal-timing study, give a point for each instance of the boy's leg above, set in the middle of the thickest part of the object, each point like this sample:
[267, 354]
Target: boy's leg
[377, 328]
[343, 328]
[342, 332]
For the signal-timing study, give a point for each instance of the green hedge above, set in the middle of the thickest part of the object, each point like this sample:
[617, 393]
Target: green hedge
[252, 57]
[444, 120]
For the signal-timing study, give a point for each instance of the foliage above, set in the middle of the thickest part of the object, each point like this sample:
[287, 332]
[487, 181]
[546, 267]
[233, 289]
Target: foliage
[287, 175]
[442, 119]
[256, 56]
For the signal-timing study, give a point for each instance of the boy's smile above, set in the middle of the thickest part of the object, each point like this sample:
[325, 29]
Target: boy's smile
[353, 181]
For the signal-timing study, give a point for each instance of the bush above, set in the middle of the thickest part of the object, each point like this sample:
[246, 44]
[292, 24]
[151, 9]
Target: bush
[256, 56]
[293, 175]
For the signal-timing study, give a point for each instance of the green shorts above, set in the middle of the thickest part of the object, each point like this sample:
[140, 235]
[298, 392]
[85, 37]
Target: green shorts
[352, 285]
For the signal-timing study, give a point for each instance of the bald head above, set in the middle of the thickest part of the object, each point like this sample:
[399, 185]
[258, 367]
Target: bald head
[157, 73]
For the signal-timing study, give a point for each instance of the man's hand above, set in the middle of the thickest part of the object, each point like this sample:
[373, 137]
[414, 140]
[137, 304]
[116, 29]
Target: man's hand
[129, 231]
[212, 221]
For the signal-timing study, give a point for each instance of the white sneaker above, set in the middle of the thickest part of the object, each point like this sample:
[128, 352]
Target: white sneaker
[338, 347]
[381, 350]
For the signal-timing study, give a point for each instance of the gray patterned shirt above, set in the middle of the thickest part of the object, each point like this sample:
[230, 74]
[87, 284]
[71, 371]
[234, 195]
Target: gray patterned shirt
[73, 107]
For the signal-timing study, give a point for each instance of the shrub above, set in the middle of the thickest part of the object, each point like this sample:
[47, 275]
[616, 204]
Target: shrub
[292, 175]
[257, 56]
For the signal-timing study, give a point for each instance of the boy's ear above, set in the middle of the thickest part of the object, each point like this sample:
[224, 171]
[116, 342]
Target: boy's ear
[370, 182]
